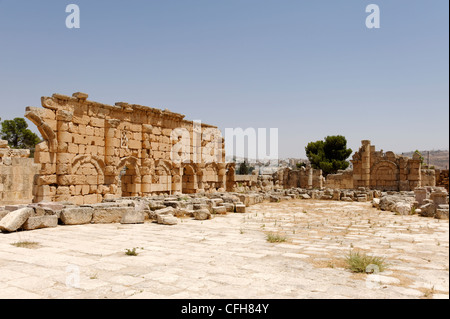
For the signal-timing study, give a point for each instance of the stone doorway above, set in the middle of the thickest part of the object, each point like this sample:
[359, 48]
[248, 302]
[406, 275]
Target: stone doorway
[189, 180]
[129, 183]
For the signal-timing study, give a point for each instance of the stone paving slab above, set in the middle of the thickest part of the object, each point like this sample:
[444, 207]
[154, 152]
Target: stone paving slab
[229, 256]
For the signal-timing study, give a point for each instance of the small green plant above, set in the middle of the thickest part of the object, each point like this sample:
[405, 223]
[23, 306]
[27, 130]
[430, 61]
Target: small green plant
[26, 244]
[361, 263]
[131, 252]
[241, 231]
[275, 238]
[94, 276]
[305, 211]
[413, 210]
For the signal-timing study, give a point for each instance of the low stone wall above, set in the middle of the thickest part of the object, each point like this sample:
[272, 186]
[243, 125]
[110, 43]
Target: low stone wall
[17, 173]
[342, 180]
[167, 209]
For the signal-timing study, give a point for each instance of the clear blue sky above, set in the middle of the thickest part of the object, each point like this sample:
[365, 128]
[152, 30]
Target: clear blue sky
[309, 68]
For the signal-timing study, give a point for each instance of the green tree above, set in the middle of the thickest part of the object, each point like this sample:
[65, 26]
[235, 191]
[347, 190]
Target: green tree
[243, 168]
[17, 134]
[329, 155]
[300, 165]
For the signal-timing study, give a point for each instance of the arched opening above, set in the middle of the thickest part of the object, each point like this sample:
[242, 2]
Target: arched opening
[189, 180]
[162, 178]
[129, 181]
[385, 176]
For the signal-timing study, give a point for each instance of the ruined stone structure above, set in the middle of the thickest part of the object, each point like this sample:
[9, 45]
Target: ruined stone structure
[17, 172]
[382, 171]
[305, 177]
[92, 151]
[442, 178]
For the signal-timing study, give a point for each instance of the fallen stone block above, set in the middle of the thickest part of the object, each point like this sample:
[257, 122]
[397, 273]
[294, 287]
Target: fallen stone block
[181, 212]
[76, 215]
[166, 219]
[442, 211]
[362, 198]
[3, 213]
[402, 208]
[164, 211]
[156, 204]
[216, 202]
[173, 203]
[109, 215]
[305, 196]
[202, 214]
[274, 199]
[133, 217]
[15, 219]
[428, 210]
[221, 210]
[376, 202]
[240, 208]
[229, 207]
[44, 221]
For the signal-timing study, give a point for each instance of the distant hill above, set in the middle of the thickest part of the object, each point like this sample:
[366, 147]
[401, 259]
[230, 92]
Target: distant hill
[439, 158]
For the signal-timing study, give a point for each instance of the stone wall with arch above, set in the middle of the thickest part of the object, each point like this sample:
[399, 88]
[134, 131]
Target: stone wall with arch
[92, 151]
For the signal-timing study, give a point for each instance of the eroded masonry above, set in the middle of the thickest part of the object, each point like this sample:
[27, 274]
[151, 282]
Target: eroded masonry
[384, 171]
[92, 151]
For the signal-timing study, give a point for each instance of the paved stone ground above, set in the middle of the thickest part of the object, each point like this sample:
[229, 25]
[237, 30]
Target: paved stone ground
[230, 257]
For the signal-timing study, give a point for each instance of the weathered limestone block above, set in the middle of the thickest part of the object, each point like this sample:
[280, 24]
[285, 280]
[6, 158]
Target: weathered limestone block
[109, 215]
[428, 210]
[166, 219]
[44, 221]
[420, 194]
[216, 202]
[240, 208]
[3, 213]
[388, 202]
[274, 199]
[219, 210]
[439, 197]
[362, 198]
[202, 214]
[376, 202]
[156, 204]
[442, 211]
[305, 196]
[15, 219]
[76, 216]
[174, 204]
[161, 211]
[229, 207]
[164, 211]
[403, 208]
[133, 216]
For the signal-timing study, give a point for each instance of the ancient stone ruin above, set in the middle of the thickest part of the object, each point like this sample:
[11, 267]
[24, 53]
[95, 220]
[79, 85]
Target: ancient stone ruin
[382, 171]
[94, 151]
[128, 163]
[17, 172]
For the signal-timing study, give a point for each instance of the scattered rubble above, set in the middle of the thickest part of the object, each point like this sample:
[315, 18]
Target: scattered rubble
[168, 209]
